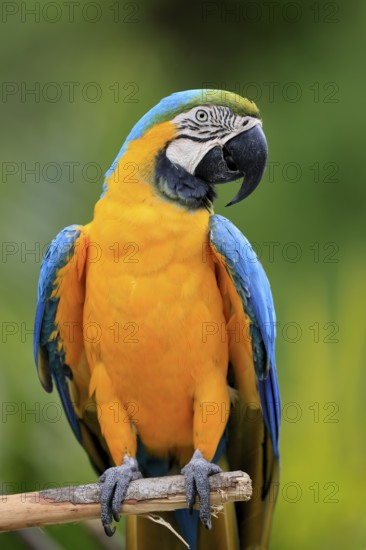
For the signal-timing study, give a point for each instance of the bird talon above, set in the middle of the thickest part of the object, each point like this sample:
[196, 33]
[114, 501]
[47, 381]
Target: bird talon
[115, 484]
[115, 515]
[196, 474]
[109, 531]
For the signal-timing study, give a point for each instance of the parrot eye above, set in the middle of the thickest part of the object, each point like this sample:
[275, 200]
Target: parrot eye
[201, 115]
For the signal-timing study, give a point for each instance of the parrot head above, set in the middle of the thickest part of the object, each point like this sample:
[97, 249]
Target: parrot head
[193, 140]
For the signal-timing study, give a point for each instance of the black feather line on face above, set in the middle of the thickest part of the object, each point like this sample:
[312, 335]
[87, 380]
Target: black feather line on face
[221, 134]
[175, 184]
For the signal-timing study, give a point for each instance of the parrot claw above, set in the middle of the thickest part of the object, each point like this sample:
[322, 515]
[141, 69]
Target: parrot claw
[115, 484]
[196, 474]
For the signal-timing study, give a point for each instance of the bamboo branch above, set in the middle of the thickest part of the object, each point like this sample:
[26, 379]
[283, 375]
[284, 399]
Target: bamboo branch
[144, 496]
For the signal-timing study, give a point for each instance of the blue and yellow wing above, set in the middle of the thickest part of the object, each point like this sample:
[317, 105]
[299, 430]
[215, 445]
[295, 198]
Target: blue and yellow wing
[49, 351]
[58, 337]
[252, 441]
[252, 286]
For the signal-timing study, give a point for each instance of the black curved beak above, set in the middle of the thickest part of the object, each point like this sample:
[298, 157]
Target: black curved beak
[244, 155]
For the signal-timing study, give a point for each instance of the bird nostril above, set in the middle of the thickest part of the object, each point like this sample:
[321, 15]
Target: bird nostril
[229, 160]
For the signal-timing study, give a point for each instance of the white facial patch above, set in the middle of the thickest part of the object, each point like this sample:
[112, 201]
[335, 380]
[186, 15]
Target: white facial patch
[201, 129]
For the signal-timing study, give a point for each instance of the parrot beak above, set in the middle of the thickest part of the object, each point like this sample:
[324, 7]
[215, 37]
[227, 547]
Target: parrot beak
[244, 155]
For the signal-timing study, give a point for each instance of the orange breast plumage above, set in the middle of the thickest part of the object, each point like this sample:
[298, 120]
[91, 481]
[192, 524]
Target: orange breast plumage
[151, 294]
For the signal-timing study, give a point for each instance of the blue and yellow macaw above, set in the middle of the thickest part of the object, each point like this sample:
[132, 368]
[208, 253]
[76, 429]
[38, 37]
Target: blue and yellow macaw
[156, 323]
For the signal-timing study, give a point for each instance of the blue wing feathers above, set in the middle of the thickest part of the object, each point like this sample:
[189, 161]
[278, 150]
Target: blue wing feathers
[270, 400]
[46, 344]
[253, 287]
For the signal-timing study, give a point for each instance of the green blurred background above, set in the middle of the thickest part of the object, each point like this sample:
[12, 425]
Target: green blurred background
[96, 68]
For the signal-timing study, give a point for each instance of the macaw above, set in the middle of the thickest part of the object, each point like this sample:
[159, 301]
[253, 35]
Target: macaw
[156, 323]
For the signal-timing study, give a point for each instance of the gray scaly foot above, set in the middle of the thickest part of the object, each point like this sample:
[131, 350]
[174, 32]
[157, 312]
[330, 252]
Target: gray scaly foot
[196, 474]
[115, 484]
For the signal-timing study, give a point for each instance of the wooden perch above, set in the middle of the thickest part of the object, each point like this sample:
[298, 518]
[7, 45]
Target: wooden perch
[144, 496]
